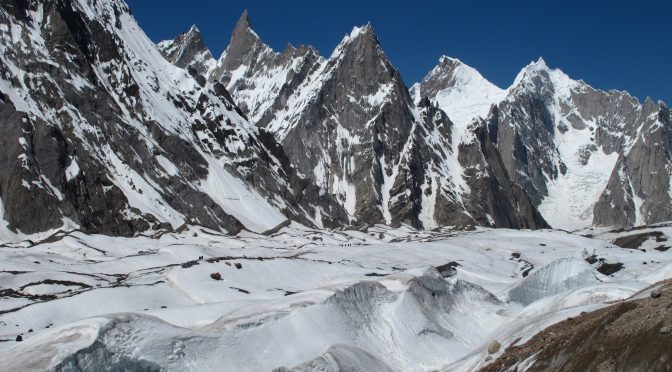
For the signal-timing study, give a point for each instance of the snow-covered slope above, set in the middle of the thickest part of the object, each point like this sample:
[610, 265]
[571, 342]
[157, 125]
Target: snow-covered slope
[459, 90]
[364, 298]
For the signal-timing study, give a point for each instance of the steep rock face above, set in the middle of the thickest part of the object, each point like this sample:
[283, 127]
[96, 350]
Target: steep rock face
[560, 141]
[348, 126]
[485, 192]
[260, 79]
[493, 200]
[101, 133]
[639, 187]
[188, 51]
[349, 123]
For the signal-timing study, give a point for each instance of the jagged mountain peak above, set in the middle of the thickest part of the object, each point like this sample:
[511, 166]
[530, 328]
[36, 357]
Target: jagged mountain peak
[361, 37]
[539, 77]
[533, 69]
[189, 51]
[244, 44]
[365, 31]
[361, 51]
[193, 30]
[193, 36]
[244, 36]
[244, 26]
[445, 61]
[452, 72]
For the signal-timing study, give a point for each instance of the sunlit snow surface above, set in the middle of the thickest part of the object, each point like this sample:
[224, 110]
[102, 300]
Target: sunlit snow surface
[301, 297]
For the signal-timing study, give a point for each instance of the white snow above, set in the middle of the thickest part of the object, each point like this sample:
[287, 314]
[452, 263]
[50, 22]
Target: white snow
[238, 200]
[469, 95]
[72, 170]
[172, 313]
[167, 165]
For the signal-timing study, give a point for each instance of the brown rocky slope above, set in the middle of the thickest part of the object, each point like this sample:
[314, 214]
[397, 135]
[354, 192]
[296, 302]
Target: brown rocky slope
[631, 335]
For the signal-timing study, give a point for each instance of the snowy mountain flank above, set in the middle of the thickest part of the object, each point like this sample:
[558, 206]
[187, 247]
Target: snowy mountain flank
[101, 133]
[454, 149]
[162, 209]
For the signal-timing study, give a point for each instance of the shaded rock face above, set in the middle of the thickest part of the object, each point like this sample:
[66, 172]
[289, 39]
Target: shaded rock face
[494, 198]
[349, 123]
[100, 133]
[341, 138]
[639, 188]
[555, 133]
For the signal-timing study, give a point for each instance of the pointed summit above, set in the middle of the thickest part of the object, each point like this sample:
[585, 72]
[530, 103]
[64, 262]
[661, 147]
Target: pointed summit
[188, 50]
[243, 33]
[243, 23]
[361, 40]
[536, 66]
[532, 70]
[244, 45]
[194, 30]
[460, 90]
[446, 60]
[366, 30]
[541, 63]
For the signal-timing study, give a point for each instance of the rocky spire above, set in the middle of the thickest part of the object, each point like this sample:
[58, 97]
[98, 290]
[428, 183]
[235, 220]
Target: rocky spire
[244, 44]
[188, 50]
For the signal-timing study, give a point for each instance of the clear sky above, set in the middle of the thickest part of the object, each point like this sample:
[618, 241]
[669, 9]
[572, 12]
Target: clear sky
[625, 45]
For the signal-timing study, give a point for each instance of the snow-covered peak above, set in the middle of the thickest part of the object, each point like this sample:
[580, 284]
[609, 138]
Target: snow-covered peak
[446, 60]
[458, 73]
[458, 89]
[534, 68]
[539, 69]
[367, 29]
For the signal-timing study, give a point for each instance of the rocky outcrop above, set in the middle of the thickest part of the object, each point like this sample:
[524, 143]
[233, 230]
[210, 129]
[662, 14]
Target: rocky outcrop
[639, 188]
[626, 336]
[493, 200]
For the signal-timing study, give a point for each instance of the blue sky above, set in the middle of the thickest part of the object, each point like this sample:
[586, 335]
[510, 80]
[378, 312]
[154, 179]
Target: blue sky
[625, 45]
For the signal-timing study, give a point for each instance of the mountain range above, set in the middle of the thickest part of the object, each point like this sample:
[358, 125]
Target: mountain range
[106, 132]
